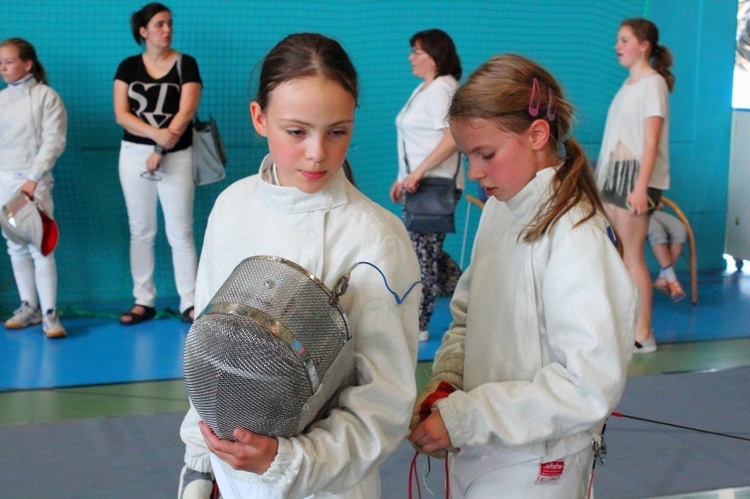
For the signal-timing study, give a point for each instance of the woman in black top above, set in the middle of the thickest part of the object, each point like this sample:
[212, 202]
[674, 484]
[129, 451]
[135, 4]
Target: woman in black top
[156, 95]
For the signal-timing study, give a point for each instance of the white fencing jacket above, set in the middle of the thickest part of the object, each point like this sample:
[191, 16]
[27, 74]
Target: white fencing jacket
[33, 127]
[546, 331]
[326, 233]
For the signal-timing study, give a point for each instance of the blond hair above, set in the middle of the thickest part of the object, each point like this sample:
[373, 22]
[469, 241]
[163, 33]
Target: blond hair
[514, 91]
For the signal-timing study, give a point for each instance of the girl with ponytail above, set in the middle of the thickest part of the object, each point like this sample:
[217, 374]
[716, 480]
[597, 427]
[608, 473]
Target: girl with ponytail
[27, 54]
[633, 166]
[33, 128]
[537, 354]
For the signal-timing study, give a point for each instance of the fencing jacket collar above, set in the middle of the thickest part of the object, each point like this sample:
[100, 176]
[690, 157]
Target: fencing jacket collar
[292, 200]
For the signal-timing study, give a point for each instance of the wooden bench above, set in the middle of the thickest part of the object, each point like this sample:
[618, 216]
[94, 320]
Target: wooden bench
[692, 255]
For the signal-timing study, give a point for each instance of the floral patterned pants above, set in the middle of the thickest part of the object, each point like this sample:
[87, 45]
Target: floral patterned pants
[440, 272]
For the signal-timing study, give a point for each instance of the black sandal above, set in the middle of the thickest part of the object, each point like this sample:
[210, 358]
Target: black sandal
[185, 317]
[131, 318]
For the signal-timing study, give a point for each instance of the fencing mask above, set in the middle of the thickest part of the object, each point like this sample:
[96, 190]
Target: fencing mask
[24, 222]
[270, 352]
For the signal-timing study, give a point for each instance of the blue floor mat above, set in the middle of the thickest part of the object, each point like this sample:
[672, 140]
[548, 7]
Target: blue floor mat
[101, 351]
[96, 351]
[722, 312]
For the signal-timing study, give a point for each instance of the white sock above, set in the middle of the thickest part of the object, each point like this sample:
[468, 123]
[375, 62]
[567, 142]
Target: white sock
[668, 273]
[46, 282]
[23, 272]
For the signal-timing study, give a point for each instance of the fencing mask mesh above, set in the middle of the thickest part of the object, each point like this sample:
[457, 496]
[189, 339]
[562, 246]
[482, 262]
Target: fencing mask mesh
[269, 352]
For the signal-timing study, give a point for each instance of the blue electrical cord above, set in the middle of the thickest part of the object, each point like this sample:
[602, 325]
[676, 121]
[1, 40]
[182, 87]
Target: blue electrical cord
[399, 299]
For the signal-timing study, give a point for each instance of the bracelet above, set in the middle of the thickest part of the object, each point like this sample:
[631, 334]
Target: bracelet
[158, 149]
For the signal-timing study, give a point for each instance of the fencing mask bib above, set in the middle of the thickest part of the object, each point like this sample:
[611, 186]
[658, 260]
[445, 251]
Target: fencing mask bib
[24, 222]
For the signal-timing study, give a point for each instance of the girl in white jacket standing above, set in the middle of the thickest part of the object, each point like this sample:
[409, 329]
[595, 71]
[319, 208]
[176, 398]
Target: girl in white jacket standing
[33, 126]
[544, 318]
[300, 206]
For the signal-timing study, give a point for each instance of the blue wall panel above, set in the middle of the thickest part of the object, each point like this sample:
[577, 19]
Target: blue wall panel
[81, 43]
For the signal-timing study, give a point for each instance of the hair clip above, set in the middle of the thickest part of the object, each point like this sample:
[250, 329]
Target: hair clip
[551, 106]
[534, 107]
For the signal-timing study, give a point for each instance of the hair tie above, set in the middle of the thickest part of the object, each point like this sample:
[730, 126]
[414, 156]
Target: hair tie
[534, 107]
[551, 105]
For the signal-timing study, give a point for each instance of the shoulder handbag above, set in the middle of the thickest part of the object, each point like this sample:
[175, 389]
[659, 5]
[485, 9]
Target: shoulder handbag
[432, 207]
[209, 157]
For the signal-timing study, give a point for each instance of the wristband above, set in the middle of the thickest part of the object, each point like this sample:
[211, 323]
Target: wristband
[159, 149]
[443, 390]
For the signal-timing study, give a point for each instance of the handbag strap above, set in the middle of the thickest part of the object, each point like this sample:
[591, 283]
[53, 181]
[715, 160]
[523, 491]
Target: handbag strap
[406, 159]
[408, 168]
[179, 66]
[179, 74]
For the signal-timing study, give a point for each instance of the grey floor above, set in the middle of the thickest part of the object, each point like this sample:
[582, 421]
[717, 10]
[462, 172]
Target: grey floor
[120, 440]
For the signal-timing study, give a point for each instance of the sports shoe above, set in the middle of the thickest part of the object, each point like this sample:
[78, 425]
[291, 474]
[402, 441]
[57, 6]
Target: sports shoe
[675, 291]
[24, 316]
[424, 335]
[195, 484]
[51, 325]
[645, 346]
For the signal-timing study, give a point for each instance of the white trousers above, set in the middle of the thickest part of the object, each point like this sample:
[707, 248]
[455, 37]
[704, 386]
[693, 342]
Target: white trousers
[232, 488]
[520, 480]
[198, 458]
[32, 272]
[175, 192]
